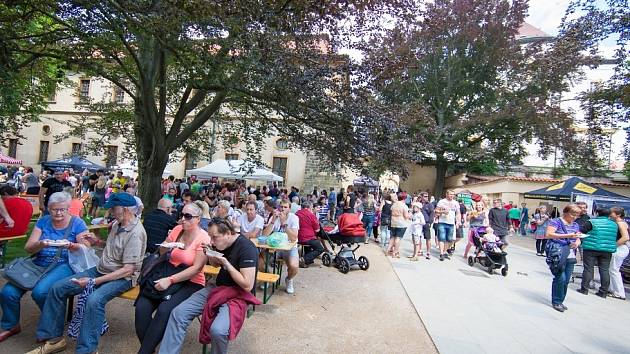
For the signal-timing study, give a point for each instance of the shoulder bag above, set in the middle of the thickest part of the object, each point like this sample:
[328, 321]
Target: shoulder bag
[155, 267]
[24, 273]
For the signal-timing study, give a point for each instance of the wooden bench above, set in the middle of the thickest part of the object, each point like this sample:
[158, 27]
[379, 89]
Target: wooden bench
[3, 246]
[266, 278]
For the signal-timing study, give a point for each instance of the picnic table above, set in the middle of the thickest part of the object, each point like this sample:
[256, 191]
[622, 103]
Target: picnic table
[277, 269]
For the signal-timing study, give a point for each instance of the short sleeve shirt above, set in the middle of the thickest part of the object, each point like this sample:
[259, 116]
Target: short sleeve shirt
[247, 226]
[52, 185]
[241, 254]
[562, 228]
[293, 222]
[125, 245]
[46, 255]
[452, 206]
[187, 255]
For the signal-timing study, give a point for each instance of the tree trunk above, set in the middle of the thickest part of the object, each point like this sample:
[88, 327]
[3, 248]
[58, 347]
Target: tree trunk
[440, 175]
[152, 159]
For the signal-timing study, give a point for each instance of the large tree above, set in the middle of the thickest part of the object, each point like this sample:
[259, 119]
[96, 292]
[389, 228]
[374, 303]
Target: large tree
[468, 90]
[258, 68]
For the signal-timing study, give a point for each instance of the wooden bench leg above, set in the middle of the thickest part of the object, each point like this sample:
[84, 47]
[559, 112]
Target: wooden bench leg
[70, 308]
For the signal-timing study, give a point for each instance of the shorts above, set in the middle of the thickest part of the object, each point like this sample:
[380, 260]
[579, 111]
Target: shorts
[288, 254]
[415, 238]
[426, 231]
[397, 232]
[445, 232]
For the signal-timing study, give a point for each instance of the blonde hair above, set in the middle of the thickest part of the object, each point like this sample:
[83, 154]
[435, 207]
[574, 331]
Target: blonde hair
[204, 208]
[102, 181]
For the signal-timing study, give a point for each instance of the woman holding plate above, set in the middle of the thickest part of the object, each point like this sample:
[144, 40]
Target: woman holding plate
[150, 327]
[53, 235]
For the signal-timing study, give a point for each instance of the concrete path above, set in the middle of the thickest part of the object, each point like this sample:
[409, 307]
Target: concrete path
[330, 312]
[466, 310]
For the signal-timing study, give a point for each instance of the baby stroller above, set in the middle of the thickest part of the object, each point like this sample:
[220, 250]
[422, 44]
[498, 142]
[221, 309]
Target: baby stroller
[346, 236]
[486, 256]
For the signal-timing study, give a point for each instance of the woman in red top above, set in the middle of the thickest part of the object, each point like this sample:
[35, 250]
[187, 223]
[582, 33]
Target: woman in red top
[150, 328]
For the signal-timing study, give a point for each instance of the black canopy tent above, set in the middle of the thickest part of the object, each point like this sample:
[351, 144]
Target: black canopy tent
[77, 163]
[565, 190]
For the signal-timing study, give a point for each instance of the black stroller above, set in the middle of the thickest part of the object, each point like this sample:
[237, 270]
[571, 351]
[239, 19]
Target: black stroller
[345, 257]
[486, 257]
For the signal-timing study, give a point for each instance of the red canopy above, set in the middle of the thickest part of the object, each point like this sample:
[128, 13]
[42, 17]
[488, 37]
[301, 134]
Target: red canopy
[9, 160]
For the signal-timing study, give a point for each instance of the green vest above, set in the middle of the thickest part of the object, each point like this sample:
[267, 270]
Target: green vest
[603, 237]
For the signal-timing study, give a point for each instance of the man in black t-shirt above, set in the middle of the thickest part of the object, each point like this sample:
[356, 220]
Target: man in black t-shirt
[238, 269]
[50, 186]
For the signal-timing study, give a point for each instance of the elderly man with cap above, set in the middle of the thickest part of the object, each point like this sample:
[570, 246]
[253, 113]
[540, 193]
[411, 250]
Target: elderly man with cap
[122, 257]
[50, 186]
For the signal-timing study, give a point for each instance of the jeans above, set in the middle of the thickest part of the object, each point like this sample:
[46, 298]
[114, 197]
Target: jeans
[316, 249]
[561, 282]
[445, 232]
[368, 224]
[53, 317]
[187, 311]
[149, 327]
[616, 282]
[10, 295]
[384, 236]
[602, 261]
[523, 227]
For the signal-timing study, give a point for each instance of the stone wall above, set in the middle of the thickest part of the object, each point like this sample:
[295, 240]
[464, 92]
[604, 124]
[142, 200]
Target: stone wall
[318, 175]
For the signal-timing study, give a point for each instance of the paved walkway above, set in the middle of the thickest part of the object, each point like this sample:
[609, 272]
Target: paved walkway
[330, 312]
[466, 310]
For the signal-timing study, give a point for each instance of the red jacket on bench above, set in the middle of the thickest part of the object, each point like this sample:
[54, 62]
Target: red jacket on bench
[20, 211]
[237, 300]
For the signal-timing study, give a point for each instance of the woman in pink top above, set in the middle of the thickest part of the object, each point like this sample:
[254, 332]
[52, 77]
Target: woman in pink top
[150, 327]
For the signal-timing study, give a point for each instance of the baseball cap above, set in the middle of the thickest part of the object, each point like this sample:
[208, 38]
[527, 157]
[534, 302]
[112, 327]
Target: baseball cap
[122, 199]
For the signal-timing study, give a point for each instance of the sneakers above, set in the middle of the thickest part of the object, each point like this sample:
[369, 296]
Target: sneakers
[447, 256]
[582, 291]
[602, 294]
[565, 308]
[558, 307]
[442, 257]
[289, 284]
[50, 348]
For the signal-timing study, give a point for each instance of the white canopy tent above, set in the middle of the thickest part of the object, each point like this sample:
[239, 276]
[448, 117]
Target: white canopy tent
[131, 169]
[233, 169]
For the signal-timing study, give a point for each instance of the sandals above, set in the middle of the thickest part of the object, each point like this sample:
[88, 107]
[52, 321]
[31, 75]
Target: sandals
[617, 297]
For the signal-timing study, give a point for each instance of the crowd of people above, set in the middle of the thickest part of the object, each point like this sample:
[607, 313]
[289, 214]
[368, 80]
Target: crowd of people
[195, 219]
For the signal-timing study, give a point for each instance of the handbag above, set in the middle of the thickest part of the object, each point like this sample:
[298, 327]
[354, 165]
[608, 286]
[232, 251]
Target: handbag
[557, 254]
[155, 267]
[24, 273]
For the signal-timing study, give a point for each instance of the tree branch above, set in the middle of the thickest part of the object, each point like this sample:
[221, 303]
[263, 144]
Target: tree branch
[200, 119]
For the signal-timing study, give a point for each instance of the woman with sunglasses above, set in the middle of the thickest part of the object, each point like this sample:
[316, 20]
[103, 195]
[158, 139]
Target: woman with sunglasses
[150, 327]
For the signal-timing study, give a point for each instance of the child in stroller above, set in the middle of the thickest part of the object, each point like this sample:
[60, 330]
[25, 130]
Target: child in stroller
[348, 232]
[488, 252]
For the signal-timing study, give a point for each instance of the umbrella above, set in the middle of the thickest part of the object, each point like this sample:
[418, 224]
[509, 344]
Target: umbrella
[77, 163]
[564, 190]
[233, 169]
[9, 160]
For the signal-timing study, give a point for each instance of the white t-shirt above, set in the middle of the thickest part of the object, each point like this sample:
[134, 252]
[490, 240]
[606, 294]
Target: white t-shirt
[452, 206]
[292, 223]
[246, 226]
[72, 180]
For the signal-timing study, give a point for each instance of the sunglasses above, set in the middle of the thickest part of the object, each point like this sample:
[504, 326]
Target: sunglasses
[188, 216]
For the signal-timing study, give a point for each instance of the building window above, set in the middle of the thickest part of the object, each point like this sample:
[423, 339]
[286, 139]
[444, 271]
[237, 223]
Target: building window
[112, 155]
[282, 144]
[230, 157]
[119, 95]
[84, 90]
[190, 162]
[76, 148]
[43, 151]
[280, 168]
[13, 148]
[46, 130]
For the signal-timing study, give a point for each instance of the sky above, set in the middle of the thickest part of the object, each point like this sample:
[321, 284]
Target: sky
[546, 15]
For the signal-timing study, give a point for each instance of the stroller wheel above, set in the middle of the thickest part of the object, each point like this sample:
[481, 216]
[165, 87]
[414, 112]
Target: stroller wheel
[364, 264]
[344, 266]
[471, 261]
[490, 269]
[326, 259]
[504, 271]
